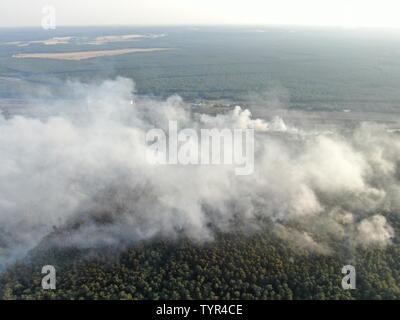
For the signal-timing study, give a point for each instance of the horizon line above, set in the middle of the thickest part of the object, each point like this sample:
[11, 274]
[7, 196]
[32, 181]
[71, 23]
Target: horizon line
[271, 25]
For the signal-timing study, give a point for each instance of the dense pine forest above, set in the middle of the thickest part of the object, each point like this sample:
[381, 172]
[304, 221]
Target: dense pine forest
[233, 266]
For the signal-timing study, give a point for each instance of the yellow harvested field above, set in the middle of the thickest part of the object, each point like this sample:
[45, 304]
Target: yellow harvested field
[82, 55]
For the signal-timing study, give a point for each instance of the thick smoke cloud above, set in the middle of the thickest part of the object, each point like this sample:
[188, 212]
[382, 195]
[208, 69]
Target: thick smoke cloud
[79, 165]
[374, 231]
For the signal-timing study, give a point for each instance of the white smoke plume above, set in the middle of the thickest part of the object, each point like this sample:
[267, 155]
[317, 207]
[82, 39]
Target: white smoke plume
[301, 241]
[374, 231]
[81, 162]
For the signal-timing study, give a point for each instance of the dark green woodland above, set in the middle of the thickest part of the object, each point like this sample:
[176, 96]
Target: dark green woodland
[233, 266]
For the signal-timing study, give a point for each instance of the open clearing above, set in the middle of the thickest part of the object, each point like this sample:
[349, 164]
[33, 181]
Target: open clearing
[82, 55]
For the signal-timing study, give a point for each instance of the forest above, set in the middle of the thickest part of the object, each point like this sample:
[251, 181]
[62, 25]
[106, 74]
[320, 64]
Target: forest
[233, 266]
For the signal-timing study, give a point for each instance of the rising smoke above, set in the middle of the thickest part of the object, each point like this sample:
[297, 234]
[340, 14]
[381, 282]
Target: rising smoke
[80, 165]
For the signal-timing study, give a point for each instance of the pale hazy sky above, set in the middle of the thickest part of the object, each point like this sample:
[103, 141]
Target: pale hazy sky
[346, 13]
